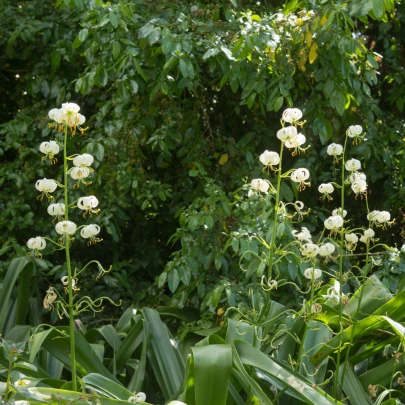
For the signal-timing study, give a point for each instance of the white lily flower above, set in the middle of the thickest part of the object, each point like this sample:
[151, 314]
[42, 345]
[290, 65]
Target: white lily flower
[356, 176]
[66, 228]
[368, 236]
[353, 165]
[359, 187]
[310, 250]
[65, 282]
[84, 160]
[327, 249]
[79, 173]
[45, 186]
[334, 222]
[338, 211]
[87, 204]
[50, 149]
[303, 236]
[260, 185]
[299, 176]
[351, 238]
[326, 189]
[56, 115]
[296, 144]
[312, 273]
[333, 293]
[269, 158]
[35, 244]
[292, 115]
[70, 108]
[354, 131]
[57, 209]
[287, 134]
[68, 115]
[334, 149]
[90, 232]
[383, 218]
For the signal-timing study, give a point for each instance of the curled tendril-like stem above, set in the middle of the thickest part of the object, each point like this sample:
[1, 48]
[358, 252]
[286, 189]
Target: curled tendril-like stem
[87, 304]
[99, 266]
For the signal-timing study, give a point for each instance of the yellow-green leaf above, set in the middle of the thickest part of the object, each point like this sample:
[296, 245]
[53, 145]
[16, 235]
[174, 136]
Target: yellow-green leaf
[313, 54]
[223, 159]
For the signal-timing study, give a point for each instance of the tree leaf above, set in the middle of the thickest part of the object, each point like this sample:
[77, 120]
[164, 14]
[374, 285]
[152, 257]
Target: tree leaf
[313, 53]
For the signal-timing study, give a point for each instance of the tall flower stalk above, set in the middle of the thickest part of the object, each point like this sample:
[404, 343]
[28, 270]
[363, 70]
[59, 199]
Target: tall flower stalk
[68, 119]
[68, 266]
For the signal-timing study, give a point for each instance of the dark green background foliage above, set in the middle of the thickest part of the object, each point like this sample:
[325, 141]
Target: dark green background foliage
[180, 99]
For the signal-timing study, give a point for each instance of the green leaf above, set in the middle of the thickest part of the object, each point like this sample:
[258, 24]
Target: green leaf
[212, 368]
[58, 344]
[83, 34]
[15, 268]
[116, 50]
[134, 86]
[281, 374]
[162, 279]
[129, 344]
[113, 19]
[167, 366]
[352, 387]
[209, 221]
[166, 45]
[111, 336]
[216, 295]
[278, 103]
[338, 101]
[106, 387]
[183, 67]
[173, 280]
[378, 8]
[211, 52]
[35, 343]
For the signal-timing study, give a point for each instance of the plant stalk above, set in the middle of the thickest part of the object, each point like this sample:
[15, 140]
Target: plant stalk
[69, 269]
[266, 305]
[336, 391]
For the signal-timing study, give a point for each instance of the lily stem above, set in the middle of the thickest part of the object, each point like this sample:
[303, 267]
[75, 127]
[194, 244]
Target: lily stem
[69, 270]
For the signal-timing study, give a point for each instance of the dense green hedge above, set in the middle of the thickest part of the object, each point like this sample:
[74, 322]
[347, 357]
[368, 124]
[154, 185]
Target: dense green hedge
[180, 99]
